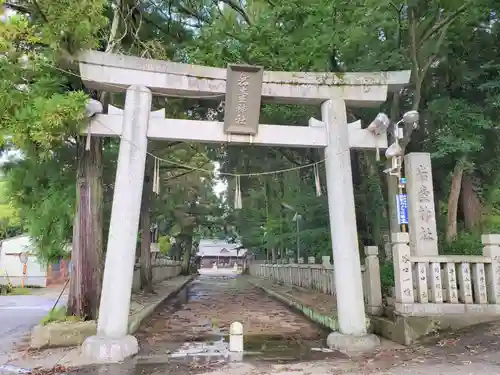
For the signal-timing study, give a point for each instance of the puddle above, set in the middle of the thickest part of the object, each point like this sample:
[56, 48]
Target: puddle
[267, 348]
[287, 349]
[11, 369]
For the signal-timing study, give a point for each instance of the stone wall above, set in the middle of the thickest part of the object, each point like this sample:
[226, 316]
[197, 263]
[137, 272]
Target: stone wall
[321, 277]
[58, 275]
[451, 284]
[162, 269]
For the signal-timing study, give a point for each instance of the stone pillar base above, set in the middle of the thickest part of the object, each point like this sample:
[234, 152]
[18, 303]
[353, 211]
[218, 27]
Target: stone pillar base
[352, 345]
[101, 349]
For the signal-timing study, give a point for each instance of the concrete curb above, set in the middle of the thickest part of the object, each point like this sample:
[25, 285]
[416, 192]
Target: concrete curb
[327, 321]
[64, 334]
[135, 320]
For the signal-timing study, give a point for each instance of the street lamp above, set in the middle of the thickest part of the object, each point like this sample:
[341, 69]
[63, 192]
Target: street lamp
[395, 153]
[296, 217]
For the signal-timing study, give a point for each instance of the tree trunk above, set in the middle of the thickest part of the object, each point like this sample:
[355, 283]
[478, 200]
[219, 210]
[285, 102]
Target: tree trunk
[456, 183]
[471, 205]
[87, 253]
[186, 257]
[146, 270]
[273, 255]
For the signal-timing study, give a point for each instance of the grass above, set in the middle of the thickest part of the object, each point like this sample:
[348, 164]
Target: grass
[18, 291]
[58, 315]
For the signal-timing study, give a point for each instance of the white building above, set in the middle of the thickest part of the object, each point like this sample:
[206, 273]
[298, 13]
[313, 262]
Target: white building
[220, 252]
[11, 266]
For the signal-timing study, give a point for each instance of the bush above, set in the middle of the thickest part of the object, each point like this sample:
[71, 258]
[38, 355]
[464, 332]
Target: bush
[466, 243]
[387, 277]
[5, 289]
[164, 243]
[58, 315]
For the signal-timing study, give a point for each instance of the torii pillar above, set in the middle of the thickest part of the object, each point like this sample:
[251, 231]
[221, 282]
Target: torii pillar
[112, 342]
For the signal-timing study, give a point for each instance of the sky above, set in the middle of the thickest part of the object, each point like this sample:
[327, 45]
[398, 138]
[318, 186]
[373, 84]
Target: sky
[220, 186]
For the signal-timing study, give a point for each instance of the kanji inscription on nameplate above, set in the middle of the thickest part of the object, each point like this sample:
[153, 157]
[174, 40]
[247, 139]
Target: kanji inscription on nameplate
[243, 96]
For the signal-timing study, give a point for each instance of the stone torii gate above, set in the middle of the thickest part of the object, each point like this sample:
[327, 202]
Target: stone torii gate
[141, 78]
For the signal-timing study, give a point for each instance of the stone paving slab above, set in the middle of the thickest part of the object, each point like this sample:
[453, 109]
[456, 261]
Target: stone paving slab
[319, 307]
[208, 308]
[324, 303]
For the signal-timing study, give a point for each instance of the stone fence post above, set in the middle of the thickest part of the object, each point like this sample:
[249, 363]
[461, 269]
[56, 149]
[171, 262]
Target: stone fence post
[326, 260]
[403, 275]
[491, 248]
[372, 283]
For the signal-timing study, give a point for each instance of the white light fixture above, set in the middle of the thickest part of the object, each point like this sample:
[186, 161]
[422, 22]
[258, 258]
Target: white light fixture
[411, 117]
[380, 124]
[393, 151]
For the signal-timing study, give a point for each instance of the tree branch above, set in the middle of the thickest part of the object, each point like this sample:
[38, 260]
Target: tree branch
[287, 156]
[18, 7]
[237, 8]
[40, 11]
[444, 22]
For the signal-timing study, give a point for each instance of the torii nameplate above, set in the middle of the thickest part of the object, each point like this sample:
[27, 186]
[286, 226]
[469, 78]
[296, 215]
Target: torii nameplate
[243, 96]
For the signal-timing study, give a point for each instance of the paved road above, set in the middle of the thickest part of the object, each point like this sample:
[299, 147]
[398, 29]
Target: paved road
[18, 314]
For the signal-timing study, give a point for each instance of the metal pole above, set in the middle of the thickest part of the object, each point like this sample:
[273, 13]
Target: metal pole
[400, 171]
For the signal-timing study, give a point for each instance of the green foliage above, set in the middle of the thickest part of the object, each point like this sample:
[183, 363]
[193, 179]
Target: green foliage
[387, 277]
[19, 292]
[460, 128]
[58, 315]
[10, 221]
[45, 196]
[5, 289]
[164, 242]
[465, 244]
[41, 113]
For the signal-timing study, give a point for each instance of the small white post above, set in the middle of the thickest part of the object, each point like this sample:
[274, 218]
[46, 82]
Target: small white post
[236, 337]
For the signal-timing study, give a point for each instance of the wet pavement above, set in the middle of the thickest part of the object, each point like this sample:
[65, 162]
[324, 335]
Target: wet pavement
[471, 351]
[188, 335]
[203, 312]
[18, 314]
